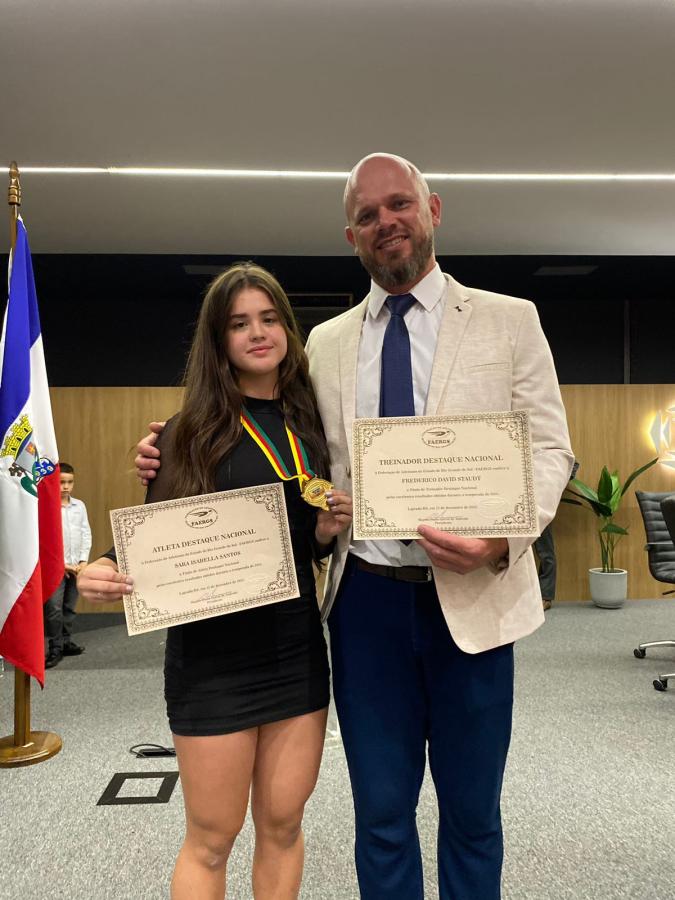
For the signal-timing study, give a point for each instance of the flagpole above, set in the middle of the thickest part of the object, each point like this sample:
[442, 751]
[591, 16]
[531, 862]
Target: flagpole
[25, 747]
[14, 200]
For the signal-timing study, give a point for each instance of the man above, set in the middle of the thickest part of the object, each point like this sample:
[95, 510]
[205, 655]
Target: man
[422, 634]
[544, 548]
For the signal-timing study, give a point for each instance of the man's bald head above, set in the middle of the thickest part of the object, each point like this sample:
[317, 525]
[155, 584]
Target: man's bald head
[371, 161]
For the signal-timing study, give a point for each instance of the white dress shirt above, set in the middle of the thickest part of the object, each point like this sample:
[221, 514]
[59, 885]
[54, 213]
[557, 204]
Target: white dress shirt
[423, 321]
[76, 532]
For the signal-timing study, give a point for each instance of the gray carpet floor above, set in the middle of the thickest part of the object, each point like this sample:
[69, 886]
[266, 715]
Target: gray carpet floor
[589, 795]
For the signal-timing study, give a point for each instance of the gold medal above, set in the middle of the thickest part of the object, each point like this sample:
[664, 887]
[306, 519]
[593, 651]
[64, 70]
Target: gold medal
[314, 492]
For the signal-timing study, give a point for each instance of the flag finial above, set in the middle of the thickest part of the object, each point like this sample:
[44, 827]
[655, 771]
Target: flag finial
[14, 192]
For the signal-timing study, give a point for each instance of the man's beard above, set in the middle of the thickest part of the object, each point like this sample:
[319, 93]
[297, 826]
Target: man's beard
[399, 273]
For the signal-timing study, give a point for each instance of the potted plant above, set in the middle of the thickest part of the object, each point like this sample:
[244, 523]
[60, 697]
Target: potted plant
[608, 584]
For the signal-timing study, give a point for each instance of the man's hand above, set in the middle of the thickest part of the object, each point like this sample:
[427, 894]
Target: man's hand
[147, 459]
[460, 554]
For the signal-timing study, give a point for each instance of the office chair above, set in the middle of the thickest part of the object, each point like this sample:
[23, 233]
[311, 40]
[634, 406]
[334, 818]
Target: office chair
[660, 547]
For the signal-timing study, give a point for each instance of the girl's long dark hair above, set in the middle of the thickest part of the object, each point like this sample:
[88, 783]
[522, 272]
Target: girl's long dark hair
[208, 426]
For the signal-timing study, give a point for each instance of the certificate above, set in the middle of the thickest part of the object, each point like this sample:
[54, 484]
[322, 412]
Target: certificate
[468, 474]
[204, 556]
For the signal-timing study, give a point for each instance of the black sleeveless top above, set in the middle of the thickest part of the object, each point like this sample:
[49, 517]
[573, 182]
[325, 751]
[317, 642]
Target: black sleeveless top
[259, 665]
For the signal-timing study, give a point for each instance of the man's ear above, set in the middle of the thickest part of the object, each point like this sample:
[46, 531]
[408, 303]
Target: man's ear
[349, 234]
[435, 207]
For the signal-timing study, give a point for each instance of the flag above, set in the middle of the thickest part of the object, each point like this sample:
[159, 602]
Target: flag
[31, 543]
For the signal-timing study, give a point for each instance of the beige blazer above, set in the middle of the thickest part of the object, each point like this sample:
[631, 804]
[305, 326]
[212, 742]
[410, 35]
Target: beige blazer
[491, 355]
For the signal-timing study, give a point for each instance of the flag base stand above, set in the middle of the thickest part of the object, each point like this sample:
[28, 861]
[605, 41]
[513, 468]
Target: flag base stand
[25, 747]
[41, 745]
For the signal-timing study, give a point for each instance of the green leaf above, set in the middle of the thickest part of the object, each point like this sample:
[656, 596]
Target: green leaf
[569, 500]
[605, 487]
[604, 512]
[584, 490]
[634, 475]
[611, 528]
[615, 499]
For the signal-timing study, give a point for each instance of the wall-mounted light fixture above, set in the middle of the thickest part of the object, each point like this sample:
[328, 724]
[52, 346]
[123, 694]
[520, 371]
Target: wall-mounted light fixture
[662, 436]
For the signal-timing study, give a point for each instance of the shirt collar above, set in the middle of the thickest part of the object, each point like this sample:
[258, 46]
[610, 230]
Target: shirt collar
[428, 292]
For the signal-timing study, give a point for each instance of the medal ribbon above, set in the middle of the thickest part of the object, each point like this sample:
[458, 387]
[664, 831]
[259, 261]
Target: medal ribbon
[269, 448]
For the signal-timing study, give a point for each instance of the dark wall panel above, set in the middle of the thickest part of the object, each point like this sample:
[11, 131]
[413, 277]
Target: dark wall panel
[127, 320]
[652, 341]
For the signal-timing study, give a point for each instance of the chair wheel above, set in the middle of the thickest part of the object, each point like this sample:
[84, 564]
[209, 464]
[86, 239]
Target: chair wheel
[660, 684]
[639, 653]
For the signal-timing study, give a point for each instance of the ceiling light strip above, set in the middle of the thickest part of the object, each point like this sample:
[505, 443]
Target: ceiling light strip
[341, 176]
[550, 176]
[180, 172]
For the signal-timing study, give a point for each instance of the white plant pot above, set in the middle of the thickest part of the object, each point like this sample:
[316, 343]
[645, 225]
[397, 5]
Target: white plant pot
[608, 589]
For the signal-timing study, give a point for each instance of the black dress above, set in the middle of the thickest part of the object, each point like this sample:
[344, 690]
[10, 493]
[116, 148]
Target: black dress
[260, 665]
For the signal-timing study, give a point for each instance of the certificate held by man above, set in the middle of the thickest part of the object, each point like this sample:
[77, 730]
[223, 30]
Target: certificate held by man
[204, 556]
[467, 474]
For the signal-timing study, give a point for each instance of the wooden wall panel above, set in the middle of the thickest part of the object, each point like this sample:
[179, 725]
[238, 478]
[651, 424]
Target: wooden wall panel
[97, 430]
[609, 425]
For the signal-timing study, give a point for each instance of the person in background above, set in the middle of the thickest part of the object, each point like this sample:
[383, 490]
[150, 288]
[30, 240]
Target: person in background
[60, 608]
[544, 547]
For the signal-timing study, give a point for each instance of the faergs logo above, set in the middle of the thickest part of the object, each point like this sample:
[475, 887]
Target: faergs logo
[201, 518]
[439, 437]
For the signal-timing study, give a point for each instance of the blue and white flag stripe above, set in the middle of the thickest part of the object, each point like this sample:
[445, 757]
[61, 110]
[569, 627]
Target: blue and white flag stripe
[22, 329]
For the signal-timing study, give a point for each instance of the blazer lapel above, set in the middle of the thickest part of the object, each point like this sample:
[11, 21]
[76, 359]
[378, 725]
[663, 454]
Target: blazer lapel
[350, 335]
[453, 325]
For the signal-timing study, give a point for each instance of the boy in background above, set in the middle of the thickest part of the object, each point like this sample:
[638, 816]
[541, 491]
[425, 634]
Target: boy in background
[60, 608]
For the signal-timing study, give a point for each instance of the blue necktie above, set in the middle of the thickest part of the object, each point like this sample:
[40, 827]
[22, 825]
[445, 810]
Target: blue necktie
[396, 384]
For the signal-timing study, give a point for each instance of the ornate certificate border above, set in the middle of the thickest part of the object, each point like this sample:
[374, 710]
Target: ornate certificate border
[143, 615]
[519, 520]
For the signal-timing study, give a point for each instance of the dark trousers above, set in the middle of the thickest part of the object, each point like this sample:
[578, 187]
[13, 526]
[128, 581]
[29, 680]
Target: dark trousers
[60, 613]
[545, 550]
[401, 684]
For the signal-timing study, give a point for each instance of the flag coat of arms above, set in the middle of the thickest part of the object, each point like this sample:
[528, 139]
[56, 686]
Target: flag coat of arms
[31, 544]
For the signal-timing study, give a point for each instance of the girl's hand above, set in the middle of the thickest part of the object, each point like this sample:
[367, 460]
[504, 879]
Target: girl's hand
[100, 582]
[337, 519]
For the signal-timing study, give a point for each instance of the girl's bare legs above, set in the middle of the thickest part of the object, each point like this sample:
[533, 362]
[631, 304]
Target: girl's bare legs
[215, 774]
[287, 761]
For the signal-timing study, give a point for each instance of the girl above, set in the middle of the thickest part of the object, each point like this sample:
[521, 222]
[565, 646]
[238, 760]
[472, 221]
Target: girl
[247, 693]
